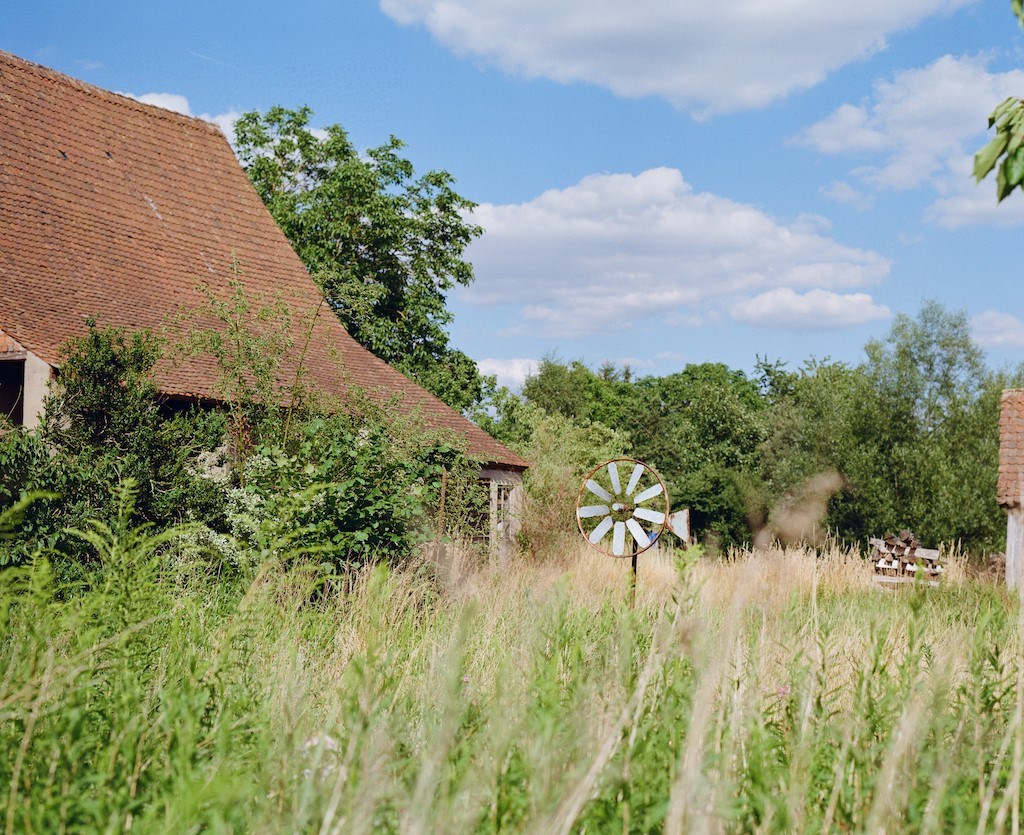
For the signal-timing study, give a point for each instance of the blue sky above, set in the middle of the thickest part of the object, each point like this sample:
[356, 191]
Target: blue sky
[660, 182]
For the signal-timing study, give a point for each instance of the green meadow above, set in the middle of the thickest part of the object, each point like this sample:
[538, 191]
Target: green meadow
[770, 691]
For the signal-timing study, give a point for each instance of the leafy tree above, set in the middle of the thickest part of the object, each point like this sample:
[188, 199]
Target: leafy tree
[826, 419]
[1006, 148]
[935, 420]
[578, 393]
[701, 429]
[913, 430]
[926, 366]
[384, 245]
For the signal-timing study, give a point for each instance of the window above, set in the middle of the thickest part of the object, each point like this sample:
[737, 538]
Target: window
[504, 509]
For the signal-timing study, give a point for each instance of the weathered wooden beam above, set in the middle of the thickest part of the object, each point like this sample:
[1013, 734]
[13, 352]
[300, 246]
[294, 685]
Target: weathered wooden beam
[882, 580]
[1015, 548]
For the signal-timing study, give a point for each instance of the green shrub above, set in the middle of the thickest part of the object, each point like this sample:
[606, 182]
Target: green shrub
[105, 424]
[351, 486]
[354, 487]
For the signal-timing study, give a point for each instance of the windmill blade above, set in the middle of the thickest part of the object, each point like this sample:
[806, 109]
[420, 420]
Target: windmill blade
[602, 528]
[598, 490]
[613, 472]
[638, 533]
[619, 539]
[593, 510]
[634, 479]
[649, 493]
[655, 516]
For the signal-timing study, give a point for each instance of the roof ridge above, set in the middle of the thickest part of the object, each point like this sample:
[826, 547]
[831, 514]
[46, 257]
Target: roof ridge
[121, 99]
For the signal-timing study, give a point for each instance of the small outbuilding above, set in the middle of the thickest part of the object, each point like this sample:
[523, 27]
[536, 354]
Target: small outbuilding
[1010, 491]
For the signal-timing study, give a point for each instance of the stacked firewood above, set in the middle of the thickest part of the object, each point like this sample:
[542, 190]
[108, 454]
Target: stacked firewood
[899, 558]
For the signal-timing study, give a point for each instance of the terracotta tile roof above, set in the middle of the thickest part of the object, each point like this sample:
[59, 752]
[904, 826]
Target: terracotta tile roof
[1011, 449]
[115, 210]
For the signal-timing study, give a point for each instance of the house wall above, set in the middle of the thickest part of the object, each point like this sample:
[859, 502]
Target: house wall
[37, 383]
[1015, 548]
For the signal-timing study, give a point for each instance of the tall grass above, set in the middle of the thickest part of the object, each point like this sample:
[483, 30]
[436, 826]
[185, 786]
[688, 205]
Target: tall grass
[777, 691]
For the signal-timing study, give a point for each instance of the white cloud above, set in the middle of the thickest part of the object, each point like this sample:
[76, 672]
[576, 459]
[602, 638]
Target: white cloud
[511, 373]
[993, 329]
[168, 101]
[615, 250]
[808, 222]
[963, 202]
[712, 56]
[841, 192]
[179, 104]
[786, 309]
[847, 129]
[925, 125]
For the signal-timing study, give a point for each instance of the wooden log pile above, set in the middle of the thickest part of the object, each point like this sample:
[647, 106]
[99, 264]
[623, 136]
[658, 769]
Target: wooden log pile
[899, 558]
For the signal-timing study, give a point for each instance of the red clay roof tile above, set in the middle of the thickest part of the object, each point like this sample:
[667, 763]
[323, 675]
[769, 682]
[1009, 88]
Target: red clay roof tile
[115, 209]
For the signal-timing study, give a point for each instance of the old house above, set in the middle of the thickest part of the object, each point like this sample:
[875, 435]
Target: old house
[116, 210]
[1010, 489]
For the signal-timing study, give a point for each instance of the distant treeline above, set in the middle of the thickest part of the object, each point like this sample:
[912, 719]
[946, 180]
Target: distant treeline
[912, 431]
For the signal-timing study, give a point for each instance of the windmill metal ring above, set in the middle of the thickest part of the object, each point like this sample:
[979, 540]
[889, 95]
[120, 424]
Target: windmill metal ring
[637, 509]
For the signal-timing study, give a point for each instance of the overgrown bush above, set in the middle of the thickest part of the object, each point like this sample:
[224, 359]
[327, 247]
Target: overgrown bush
[344, 487]
[105, 424]
[346, 482]
[356, 486]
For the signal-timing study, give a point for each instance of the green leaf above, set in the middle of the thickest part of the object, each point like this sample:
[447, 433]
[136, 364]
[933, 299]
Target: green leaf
[1016, 136]
[986, 158]
[1004, 107]
[1003, 188]
[1015, 168]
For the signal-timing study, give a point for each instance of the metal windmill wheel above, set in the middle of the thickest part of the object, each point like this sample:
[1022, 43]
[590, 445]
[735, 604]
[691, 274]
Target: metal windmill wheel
[610, 511]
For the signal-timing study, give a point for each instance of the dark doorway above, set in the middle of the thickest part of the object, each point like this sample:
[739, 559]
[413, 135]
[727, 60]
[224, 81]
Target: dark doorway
[12, 391]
